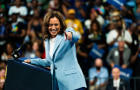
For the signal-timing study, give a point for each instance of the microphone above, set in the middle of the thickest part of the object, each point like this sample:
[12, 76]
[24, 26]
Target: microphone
[16, 53]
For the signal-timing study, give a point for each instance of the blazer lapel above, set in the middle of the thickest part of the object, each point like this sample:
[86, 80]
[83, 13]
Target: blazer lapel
[111, 85]
[122, 86]
[58, 40]
[47, 49]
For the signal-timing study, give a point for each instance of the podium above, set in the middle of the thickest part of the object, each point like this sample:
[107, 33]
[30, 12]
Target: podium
[22, 76]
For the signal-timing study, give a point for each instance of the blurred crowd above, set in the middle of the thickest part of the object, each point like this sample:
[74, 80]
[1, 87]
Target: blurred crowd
[109, 35]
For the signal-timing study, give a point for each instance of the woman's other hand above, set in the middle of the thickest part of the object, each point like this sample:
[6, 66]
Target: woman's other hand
[27, 61]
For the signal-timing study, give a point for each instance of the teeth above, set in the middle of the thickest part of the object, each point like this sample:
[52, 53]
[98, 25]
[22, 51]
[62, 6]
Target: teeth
[53, 30]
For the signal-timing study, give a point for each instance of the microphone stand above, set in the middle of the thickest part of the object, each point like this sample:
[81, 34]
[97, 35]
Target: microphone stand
[16, 53]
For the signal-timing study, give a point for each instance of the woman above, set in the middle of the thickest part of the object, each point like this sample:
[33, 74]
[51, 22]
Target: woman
[95, 34]
[7, 54]
[35, 26]
[61, 54]
[95, 40]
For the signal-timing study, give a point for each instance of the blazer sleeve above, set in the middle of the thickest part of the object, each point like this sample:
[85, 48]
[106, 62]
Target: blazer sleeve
[109, 56]
[75, 35]
[40, 62]
[127, 57]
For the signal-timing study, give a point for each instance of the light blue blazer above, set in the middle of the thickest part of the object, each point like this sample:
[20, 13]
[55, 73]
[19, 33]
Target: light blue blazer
[64, 62]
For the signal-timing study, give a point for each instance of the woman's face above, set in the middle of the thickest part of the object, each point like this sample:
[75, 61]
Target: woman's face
[94, 27]
[54, 26]
[9, 48]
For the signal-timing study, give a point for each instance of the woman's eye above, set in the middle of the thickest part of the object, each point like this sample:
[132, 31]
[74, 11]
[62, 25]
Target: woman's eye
[50, 24]
[53, 24]
[56, 24]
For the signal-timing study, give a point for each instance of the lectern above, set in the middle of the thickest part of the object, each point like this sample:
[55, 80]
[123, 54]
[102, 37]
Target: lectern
[22, 76]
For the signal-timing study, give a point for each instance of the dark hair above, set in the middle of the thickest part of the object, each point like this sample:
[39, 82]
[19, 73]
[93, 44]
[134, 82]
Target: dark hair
[98, 26]
[47, 18]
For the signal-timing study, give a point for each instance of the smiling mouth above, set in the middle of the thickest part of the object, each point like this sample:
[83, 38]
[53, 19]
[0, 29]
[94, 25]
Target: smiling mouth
[54, 30]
